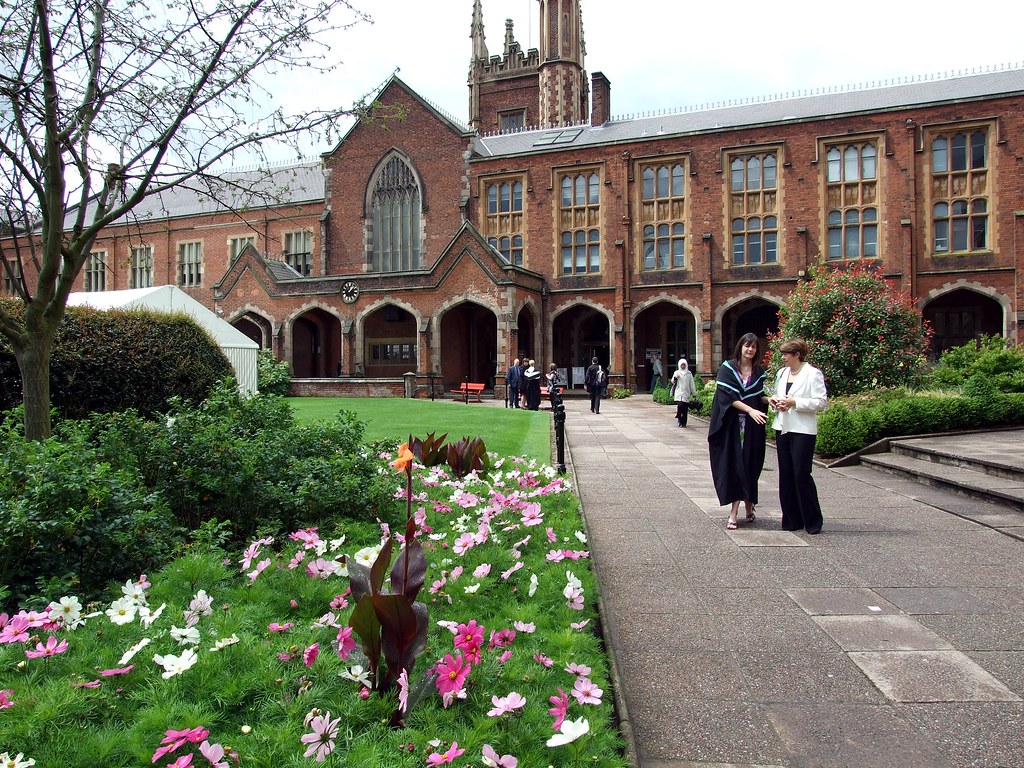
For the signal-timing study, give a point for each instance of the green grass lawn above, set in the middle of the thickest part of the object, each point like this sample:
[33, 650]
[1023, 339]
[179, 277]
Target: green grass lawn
[506, 431]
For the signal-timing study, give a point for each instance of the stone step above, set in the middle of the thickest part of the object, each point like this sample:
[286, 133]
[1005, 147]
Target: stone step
[988, 465]
[965, 481]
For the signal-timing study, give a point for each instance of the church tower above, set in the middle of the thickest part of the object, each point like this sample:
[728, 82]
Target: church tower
[564, 94]
[538, 88]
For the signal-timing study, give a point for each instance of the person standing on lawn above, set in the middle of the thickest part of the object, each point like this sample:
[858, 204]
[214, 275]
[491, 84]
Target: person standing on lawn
[531, 386]
[513, 380]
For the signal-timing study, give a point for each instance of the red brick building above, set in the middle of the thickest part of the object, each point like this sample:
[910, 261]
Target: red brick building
[549, 229]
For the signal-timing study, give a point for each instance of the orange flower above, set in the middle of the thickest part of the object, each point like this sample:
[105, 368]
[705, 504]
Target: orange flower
[405, 458]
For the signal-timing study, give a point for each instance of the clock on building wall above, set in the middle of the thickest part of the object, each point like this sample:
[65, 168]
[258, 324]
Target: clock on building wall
[349, 292]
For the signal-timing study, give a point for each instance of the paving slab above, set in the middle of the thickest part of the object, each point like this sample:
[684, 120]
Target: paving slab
[880, 633]
[931, 676]
[841, 602]
[936, 600]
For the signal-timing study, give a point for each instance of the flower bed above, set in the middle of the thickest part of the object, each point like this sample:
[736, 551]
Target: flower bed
[251, 658]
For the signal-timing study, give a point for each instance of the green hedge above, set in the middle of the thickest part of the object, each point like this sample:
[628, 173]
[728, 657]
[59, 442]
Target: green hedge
[842, 430]
[114, 360]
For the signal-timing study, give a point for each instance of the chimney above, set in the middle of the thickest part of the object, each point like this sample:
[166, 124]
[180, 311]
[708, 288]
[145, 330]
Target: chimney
[601, 99]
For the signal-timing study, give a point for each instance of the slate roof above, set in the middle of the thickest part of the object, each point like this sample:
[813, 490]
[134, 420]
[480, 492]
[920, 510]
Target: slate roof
[283, 185]
[813, 105]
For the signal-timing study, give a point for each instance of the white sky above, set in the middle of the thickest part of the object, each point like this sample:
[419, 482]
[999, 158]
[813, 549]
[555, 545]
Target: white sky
[669, 54]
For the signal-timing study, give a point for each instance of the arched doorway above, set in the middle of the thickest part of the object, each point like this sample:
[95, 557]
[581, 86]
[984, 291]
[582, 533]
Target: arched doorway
[666, 328]
[526, 335]
[389, 342]
[755, 316]
[315, 345]
[961, 316]
[578, 334]
[256, 328]
[469, 345]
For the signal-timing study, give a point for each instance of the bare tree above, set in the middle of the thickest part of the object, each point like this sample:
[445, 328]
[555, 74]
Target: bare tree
[106, 102]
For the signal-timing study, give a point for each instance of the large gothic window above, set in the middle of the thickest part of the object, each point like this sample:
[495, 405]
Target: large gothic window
[395, 205]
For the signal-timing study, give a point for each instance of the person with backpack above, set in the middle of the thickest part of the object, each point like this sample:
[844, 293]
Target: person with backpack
[595, 381]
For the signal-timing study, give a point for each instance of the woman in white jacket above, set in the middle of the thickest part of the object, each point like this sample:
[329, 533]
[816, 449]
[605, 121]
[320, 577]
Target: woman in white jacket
[683, 391]
[799, 395]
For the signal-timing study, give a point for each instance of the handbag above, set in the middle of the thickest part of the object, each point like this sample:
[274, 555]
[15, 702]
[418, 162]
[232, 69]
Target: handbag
[695, 405]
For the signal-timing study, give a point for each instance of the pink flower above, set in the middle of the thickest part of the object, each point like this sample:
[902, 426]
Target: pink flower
[276, 627]
[561, 702]
[451, 674]
[403, 691]
[551, 535]
[532, 514]
[14, 630]
[261, 566]
[52, 648]
[463, 544]
[526, 629]
[345, 642]
[117, 671]
[468, 639]
[482, 570]
[214, 754]
[505, 657]
[501, 638]
[578, 625]
[174, 739]
[506, 704]
[183, 761]
[364, 693]
[5, 698]
[321, 568]
[90, 684]
[339, 603]
[511, 570]
[555, 556]
[448, 757]
[492, 760]
[575, 598]
[321, 739]
[586, 692]
[541, 659]
[309, 655]
[582, 670]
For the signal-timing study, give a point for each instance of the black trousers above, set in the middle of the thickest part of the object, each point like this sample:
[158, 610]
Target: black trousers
[595, 399]
[682, 411]
[798, 494]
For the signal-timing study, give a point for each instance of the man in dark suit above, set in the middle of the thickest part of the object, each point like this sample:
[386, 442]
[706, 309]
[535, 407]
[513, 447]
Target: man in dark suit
[513, 381]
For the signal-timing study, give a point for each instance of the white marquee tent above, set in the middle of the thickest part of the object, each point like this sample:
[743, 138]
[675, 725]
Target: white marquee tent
[239, 349]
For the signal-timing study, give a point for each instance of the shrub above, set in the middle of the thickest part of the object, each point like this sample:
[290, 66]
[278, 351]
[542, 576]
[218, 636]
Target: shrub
[68, 517]
[619, 393]
[116, 360]
[860, 331]
[663, 395]
[272, 377]
[991, 357]
[839, 432]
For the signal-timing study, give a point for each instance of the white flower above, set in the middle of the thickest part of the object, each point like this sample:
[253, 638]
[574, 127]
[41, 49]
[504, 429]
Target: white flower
[570, 577]
[175, 665]
[472, 589]
[335, 544]
[581, 536]
[223, 643]
[186, 636]
[147, 617]
[18, 761]
[202, 603]
[122, 611]
[533, 584]
[132, 651]
[133, 591]
[367, 556]
[68, 611]
[571, 730]
[356, 675]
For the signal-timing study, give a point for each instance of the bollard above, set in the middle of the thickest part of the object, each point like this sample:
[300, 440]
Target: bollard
[559, 415]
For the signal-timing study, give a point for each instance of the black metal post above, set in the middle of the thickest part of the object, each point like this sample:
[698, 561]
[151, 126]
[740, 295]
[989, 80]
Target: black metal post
[465, 396]
[559, 415]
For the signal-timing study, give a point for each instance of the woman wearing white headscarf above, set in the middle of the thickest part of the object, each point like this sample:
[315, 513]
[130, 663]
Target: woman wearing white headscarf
[683, 391]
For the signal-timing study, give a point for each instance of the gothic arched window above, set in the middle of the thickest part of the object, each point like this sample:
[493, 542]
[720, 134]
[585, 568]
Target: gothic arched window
[395, 207]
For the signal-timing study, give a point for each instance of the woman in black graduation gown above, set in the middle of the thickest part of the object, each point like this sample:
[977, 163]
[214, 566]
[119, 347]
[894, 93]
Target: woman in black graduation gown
[531, 384]
[736, 434]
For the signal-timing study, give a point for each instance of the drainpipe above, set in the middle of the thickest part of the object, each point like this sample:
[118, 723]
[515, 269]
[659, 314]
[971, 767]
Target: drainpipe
[912, 221]
[627, 276]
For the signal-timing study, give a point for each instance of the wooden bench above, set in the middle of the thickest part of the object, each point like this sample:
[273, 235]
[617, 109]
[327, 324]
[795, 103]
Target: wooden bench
[470, 388]
[544, 390]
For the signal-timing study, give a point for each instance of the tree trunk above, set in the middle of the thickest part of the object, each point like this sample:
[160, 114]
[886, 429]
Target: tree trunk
[34, 362]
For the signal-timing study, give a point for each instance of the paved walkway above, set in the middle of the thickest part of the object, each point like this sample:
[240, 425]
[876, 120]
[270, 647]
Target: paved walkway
[895, 638]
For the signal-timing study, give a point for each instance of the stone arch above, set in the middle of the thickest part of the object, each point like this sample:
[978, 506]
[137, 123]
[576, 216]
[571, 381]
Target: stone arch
[464, 343]
[257, 324]
[729, 322]
[408, 333]
[681, 336]
[964, 310]
[579, 330]
[313, 340]
[527, 319]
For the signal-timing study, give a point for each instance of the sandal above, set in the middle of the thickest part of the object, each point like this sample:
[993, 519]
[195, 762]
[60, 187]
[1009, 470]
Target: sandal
[751, 517]
[731, 525]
